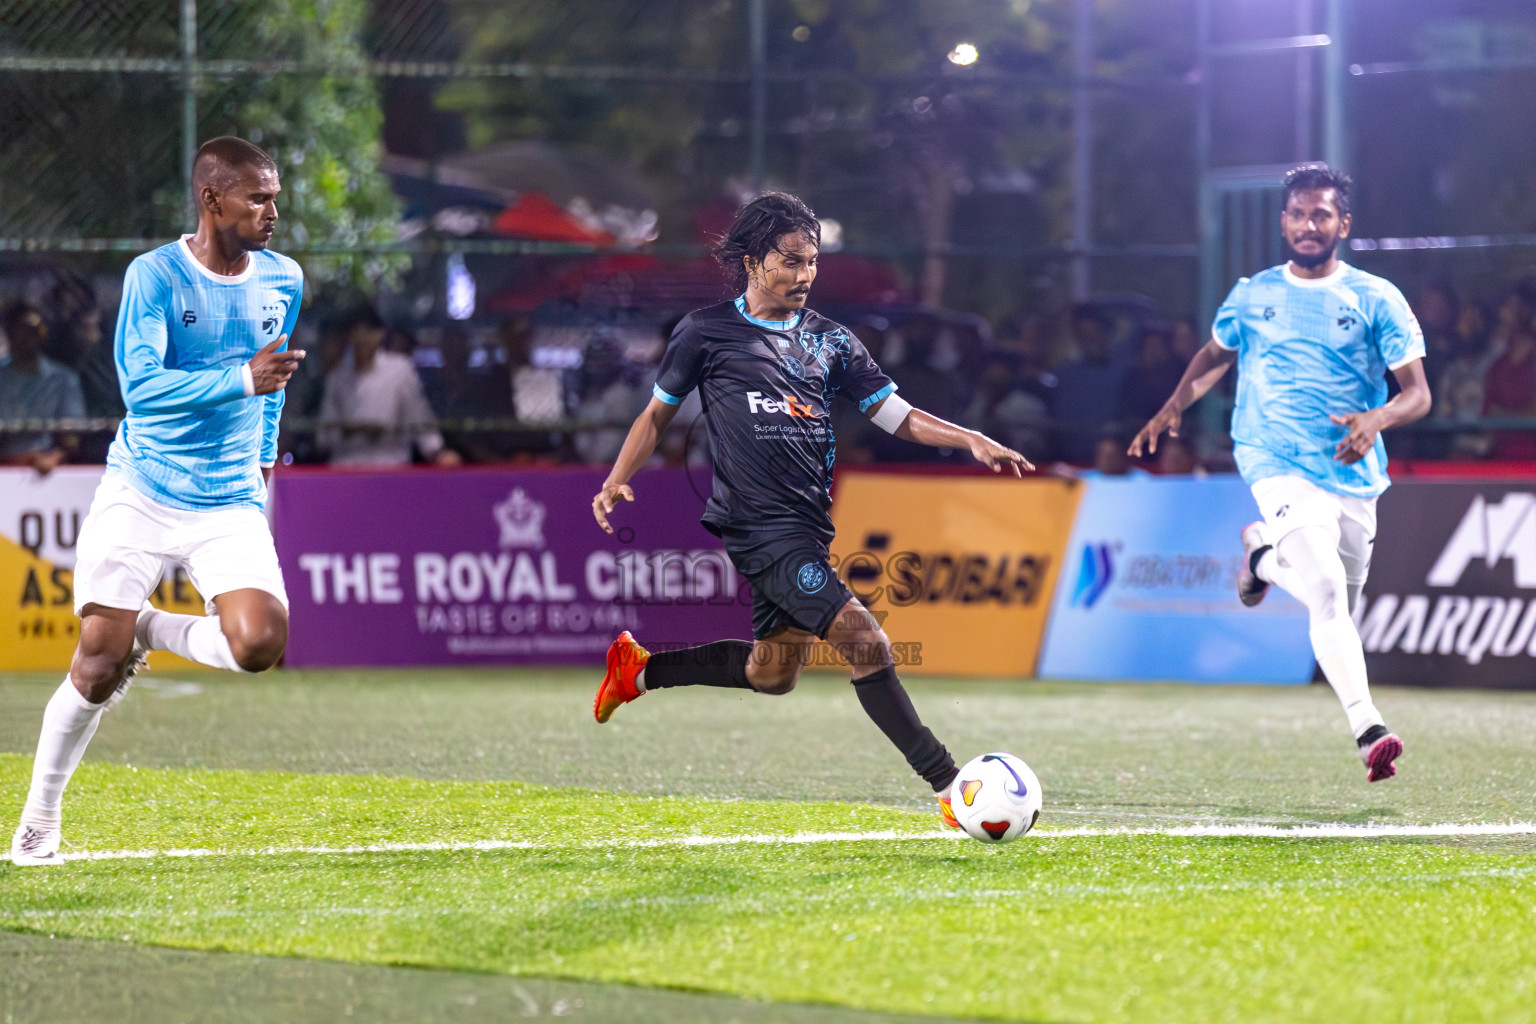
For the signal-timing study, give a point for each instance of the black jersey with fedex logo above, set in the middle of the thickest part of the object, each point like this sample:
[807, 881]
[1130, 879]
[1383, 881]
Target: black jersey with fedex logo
[766, 388]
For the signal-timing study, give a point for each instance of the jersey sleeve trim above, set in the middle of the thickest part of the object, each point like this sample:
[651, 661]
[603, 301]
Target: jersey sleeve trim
[877, 396]
[1410, 357]
[1222, 344]
[663, 396]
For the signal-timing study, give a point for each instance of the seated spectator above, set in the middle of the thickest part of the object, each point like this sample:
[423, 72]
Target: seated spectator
[1004, 407]
[538, 394]
[1437, 308]
[374, 406]
[1176, 457]
[924, 383]
[1510, 390]
[1149, 381]
[78, 340]
[32, 386]
[1022, 341]
[471, 384]
[1109, 458]
[608, 399]
[1088, 386]
[1185, 340]
[1459, 394]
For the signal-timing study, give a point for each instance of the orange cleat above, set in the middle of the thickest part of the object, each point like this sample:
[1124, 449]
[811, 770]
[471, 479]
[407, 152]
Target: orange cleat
[625, 660]
[946, 812]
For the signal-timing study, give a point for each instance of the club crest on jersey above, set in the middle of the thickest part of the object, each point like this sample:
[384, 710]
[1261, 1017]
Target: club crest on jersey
[269, 325]
[1347, 321]
[811, 577]
[789, 404]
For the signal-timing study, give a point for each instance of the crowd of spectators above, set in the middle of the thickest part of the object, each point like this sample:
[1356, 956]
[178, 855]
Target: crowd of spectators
[564, 387]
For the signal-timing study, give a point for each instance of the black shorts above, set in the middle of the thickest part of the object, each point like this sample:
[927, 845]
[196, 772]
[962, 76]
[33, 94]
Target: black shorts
[792, 581]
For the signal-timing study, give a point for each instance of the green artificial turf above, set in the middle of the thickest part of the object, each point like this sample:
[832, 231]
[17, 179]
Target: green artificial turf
[1106, 928]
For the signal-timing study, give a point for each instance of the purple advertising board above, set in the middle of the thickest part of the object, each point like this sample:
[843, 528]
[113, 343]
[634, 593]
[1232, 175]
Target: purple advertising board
[495, 566]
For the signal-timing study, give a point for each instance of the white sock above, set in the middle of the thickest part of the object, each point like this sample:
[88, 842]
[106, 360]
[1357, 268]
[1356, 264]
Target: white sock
[1306, 565]
[640, 679]
[198, 638]
[1342, 658]
[1272, 570]
[69, 722]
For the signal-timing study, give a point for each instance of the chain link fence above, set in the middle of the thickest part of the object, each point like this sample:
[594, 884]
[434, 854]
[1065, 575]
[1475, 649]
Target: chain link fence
[102, 104]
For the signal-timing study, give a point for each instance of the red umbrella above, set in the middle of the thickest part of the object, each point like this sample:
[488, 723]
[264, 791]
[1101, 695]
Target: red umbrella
[536, 217]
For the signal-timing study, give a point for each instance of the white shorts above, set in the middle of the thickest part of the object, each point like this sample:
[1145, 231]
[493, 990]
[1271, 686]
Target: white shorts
[128, 537]
[1290, 502]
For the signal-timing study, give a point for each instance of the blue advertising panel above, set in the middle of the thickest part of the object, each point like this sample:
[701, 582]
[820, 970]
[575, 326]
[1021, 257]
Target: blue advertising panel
[1149, 590]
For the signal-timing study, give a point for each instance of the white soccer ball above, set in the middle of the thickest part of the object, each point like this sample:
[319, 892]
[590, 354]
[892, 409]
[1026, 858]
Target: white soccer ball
[996, 798]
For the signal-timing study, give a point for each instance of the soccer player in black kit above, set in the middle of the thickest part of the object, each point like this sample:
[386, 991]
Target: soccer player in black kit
[767, 369]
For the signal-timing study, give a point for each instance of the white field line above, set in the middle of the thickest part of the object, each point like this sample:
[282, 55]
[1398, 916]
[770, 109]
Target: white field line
[1518, 828]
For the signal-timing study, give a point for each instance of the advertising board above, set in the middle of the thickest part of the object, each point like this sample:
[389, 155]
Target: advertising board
[495, 566]
[960, 569]
[1150, 590]
[1451, 599]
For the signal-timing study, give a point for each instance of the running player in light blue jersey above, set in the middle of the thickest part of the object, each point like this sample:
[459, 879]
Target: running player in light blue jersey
[202, 363]
[1313, 341]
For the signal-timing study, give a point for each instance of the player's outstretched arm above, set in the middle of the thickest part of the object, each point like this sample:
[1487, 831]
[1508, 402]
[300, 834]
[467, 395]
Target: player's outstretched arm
[925, 428]
[1202, 373]
[638, 446]
[1413, 402]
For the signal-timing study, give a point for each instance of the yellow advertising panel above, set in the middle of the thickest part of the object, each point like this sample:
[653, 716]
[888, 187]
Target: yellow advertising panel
[960, 568]
[40, 518]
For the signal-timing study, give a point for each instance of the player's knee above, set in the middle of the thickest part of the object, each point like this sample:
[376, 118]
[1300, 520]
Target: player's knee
[777, 681]
[257, 647]
[866, 649]
[96, 674]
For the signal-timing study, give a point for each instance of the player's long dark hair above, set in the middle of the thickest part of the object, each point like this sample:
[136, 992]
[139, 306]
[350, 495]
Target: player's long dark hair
[1315, 177]
[757, 229]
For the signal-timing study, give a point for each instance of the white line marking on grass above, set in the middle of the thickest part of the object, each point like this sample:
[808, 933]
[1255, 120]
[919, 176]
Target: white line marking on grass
[1517, 828]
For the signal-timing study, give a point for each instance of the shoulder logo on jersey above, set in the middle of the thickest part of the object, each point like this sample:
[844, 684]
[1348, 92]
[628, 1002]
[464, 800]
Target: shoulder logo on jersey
[786, 404]
[188, 318]
[811, 577]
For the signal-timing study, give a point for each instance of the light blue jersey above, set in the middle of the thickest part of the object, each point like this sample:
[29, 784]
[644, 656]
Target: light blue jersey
[194, 438]
[1308, 349]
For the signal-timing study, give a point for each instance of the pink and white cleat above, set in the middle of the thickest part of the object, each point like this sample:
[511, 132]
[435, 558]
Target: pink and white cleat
[1378, 749]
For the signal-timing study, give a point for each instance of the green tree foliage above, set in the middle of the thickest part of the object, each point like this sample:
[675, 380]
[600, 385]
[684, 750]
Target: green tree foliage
[99, 154]
[867, 118]
[322, 130]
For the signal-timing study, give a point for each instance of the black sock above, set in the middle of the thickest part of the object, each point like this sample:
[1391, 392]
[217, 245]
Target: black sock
[722, 663]
[888, 705]
[1253, 560]
[1371, 735]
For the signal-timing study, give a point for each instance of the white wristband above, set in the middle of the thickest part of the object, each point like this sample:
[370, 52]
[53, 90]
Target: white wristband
[250, 381]
[892, 413]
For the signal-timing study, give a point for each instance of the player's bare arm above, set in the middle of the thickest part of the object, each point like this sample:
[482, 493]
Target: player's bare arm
[1412, 403]
[271, 369]
[638, 446]
[925, 428]
[1202, 373]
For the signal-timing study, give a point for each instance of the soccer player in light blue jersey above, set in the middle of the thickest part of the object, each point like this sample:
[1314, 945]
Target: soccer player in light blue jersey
[202, 363]
[1313, 341]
